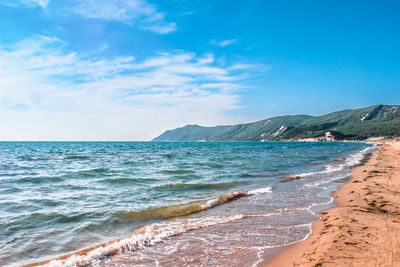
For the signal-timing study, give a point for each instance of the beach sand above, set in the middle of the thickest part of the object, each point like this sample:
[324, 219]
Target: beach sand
[364, 230]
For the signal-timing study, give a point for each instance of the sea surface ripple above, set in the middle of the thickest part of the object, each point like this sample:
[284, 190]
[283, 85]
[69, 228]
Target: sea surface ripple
[59, 197]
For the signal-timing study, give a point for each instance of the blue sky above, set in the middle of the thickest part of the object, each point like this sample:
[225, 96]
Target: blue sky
[130, 69]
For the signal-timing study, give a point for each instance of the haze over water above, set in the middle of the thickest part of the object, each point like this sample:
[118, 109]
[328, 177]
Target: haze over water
[193, 197]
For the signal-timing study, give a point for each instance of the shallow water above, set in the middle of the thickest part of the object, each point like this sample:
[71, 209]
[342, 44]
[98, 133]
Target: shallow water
[200, 203]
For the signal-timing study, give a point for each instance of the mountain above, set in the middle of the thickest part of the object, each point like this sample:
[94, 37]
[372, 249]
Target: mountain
[352, 124]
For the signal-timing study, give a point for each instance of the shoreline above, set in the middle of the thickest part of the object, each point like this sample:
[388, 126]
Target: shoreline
[267, 255]
[364, 230]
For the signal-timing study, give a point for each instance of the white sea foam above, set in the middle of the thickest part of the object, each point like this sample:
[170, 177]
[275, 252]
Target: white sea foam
[325, 181]
[258, 191]
[262, 249]
[357, 157]
[145, 236]
[351, 161]
[234, 195]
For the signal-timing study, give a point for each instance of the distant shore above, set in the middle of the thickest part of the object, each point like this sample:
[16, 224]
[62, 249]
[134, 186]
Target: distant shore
[364, 230]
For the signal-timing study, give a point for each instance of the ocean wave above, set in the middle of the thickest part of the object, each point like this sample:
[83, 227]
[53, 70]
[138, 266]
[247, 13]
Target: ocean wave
[29, 158]
[192, 186]
[144, 236]
[125, 180]
[180, 210]
[350, 161]
[179, 171]
[259, 191]
[92, 172]
[215, 166]
[211, 165]
[37, 179]
[38, 158]
[260, 174]
[168, 155]
[76, 157]
[314, 163]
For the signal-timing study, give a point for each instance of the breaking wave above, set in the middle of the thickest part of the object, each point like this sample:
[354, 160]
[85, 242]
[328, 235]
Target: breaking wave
[179, 210]
[151, 234]
[350, 161]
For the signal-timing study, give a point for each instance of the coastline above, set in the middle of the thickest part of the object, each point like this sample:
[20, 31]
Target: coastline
[113, 247]
[364, 230]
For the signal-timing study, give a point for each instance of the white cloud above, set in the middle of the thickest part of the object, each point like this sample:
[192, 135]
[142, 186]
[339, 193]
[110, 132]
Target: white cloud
[42, 3]
[224, 43]
[135, 12]
[170, 27]
[130, 11]
[116, 9]
[32, 3]
[47, 93]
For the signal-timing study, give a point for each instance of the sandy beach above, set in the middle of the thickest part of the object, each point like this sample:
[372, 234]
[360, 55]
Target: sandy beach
[364, 230]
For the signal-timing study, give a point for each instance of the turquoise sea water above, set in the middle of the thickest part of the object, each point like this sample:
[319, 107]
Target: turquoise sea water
[59, 197]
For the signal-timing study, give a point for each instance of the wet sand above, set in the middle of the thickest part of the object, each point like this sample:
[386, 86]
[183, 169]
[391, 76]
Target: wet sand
[364, 230]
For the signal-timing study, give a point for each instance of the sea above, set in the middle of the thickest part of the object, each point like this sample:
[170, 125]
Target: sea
[164, 203]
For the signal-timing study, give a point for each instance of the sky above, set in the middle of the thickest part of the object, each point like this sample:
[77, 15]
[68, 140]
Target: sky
[127, 70]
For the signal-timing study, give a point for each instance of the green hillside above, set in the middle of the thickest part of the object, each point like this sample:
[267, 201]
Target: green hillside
[355, 124]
